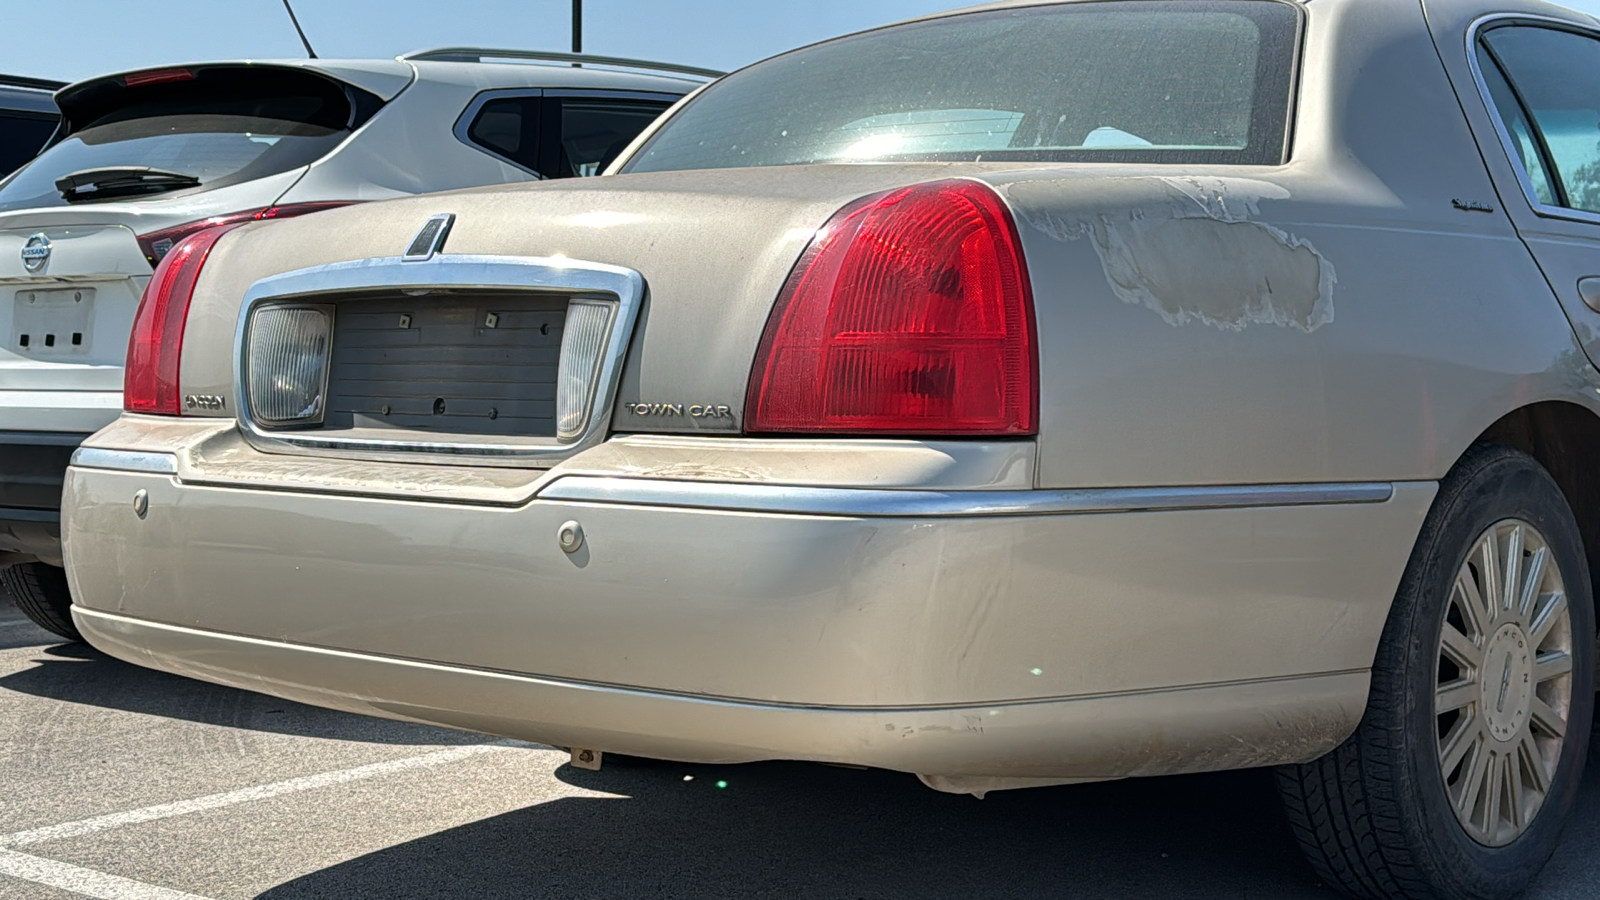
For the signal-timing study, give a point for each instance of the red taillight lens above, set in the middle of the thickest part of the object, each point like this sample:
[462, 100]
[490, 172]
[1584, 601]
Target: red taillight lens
[910, 313]
[150, 378]
[157, 76]
[157, 244]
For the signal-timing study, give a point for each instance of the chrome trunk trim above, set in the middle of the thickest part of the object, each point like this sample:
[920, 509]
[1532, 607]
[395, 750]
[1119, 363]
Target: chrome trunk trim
[575, 278]
[878, 503]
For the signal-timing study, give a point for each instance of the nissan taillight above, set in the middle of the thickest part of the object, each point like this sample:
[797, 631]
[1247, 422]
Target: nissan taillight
[157, 244]
[150, 376]
[910, 313]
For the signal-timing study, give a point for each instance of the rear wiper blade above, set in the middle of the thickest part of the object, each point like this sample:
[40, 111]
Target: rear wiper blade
[121, 181]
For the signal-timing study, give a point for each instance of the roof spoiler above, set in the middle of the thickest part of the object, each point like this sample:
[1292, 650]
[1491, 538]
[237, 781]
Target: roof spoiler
[41, 84]
[479, 54]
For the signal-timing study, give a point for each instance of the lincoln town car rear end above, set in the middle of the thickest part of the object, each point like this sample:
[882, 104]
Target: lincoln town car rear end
[1040, 393]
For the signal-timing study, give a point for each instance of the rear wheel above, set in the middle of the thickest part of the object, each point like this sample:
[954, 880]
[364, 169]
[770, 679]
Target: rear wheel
[40, 591]
[1467, 761]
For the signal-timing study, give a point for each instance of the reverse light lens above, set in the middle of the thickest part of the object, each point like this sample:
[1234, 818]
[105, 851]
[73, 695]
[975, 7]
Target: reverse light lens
[583, 341]
[155, 348]
[910, 313]
[288, 363]
[157, 244]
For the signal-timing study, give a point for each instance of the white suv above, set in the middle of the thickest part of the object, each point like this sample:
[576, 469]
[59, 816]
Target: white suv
[143, 159]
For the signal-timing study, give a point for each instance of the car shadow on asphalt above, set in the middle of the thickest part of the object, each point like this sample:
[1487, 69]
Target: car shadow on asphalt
[797, 830]
[78, 673]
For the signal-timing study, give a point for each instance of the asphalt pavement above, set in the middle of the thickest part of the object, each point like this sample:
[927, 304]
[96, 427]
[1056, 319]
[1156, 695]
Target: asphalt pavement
[121, 783]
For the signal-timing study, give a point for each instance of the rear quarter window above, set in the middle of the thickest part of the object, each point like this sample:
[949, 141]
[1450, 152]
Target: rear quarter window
[1180, 81]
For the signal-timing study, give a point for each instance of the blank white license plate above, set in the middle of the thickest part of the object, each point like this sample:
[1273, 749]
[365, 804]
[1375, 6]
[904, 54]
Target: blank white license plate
[52, 323]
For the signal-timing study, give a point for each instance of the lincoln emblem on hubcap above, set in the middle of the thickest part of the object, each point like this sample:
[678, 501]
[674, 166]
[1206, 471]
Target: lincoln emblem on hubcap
[1504, 684]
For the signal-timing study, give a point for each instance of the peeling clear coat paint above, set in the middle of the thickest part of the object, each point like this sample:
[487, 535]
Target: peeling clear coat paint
[1165, 255]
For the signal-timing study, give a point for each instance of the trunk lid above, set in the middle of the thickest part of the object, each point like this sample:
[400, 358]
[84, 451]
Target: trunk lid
[713, 248]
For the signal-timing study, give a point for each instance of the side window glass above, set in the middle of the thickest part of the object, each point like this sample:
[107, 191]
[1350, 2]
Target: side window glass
[594, 132]
[1556, 75]
[509, 127]
[1517, 125]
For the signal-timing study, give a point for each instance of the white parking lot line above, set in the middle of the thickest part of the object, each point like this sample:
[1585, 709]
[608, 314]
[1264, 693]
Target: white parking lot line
[78, 880]
[245, 795]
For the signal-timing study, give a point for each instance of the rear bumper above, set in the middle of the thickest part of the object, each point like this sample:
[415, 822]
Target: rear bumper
[985, 634]
[33, 466]
[76, 412]
[960, 748]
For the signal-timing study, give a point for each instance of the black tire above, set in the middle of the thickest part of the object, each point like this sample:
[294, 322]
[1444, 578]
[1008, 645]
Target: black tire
[1373, 816]
[40, 591]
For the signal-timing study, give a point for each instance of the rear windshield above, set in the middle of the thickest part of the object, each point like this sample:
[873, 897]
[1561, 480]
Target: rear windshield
[221, 125]
[1177, 81]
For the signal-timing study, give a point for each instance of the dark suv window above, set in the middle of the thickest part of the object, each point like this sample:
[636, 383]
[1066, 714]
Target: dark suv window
[560, 137]
[22, 135]
[1180, 81]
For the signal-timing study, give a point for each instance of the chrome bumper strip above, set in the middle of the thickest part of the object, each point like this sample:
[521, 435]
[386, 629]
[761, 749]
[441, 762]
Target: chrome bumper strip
[871, 502]
[878, 503]
[125, 461]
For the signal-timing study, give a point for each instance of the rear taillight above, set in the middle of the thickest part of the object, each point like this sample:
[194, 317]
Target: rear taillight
[150, 378]
[157, 244]
[910, 313]
[157, 76]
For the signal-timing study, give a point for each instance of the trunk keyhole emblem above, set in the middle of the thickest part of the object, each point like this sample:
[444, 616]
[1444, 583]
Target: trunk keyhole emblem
[570, 536]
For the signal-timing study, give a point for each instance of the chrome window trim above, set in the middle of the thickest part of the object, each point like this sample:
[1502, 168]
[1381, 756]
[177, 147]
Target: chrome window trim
[1507, 145]
[499, 273]
[884, 503]
[468, 115]
[575, 93]
[125, 461]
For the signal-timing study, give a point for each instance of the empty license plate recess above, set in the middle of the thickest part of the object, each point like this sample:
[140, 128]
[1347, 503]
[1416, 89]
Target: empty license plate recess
[464, 365]
[52, 323]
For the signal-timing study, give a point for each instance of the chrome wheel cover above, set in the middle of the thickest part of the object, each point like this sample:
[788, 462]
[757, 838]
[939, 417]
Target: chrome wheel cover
[1503, 686]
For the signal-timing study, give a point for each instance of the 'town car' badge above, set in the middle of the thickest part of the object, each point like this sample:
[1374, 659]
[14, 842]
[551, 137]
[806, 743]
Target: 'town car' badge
[36, 252]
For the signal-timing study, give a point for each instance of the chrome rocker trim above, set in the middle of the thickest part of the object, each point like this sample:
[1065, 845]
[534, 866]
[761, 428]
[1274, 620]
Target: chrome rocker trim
[878, 503]
[498, 273]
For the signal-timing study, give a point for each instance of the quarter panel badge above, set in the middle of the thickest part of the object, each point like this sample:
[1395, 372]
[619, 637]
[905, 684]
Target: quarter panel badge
[35, 252]
[430, 240]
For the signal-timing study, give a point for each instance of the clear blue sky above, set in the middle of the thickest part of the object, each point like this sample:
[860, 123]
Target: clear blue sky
[93, 37]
